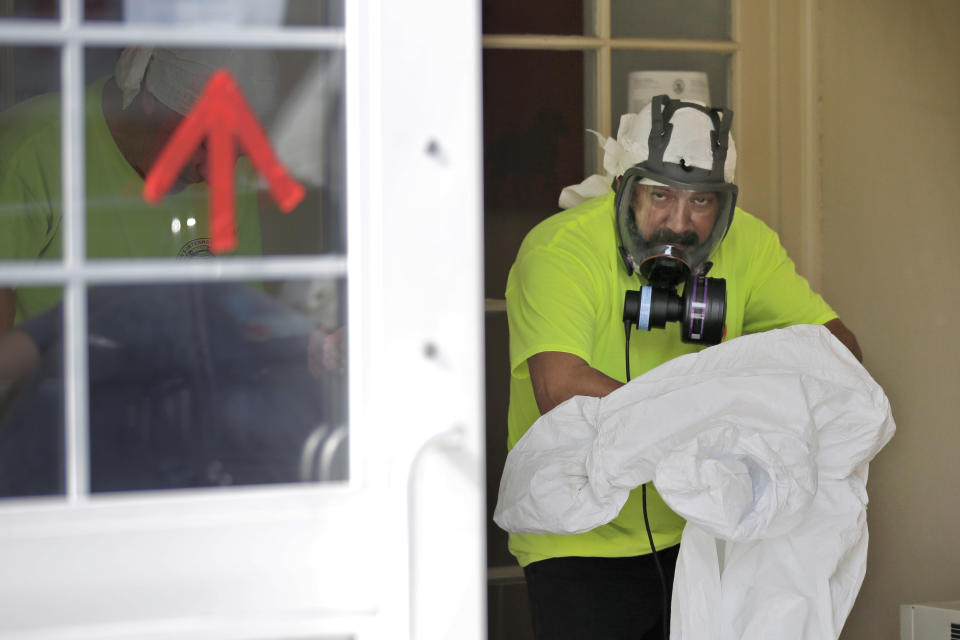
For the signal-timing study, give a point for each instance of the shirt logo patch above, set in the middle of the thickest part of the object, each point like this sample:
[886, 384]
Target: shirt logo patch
[197, 247]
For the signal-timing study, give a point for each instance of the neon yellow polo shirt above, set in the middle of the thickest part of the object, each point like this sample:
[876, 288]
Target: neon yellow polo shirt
[565, 292]
[120, 224]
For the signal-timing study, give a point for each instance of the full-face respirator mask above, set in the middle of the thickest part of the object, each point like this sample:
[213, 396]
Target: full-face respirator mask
[673, 209]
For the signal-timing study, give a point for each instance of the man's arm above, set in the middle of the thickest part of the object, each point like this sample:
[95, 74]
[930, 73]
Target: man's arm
[844, 335]
[558, 376]
[7, 309]
[18, 356]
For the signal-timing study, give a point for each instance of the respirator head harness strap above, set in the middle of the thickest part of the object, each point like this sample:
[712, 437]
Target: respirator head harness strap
[661, 133]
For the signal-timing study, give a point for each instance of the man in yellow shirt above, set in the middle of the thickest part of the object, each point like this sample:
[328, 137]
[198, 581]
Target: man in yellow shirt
[671, 217]
[128, 118]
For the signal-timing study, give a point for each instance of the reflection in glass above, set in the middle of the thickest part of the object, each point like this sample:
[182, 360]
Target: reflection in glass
[136, 103]
[307, 129]
[194, 385]
[324, 13]
[687, 19]
[26, 72]
[30, 151]
[211, 12]
[133, 104]
[31, 9]
[715, 65]
[30, 157]
[131, 113]
[31, 406]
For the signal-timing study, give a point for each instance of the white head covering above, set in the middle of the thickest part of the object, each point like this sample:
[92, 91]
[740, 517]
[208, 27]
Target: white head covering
[176, 77]
[630, 148]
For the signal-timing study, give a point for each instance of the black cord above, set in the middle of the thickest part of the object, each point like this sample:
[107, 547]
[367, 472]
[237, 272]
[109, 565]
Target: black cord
[646, 520]
[656, 561]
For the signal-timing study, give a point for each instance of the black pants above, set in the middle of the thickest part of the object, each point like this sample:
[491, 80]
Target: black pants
[599, 598]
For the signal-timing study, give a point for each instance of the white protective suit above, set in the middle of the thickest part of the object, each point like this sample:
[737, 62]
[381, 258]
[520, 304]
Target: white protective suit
[761, 443]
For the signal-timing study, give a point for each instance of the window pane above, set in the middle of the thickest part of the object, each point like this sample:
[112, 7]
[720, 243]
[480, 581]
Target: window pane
[30, 9]
[298, 98]
[26, 72]
[213, 384]
[290, 12]
[103, 9]
[691, 19]
[315, 12]
[534, 145]
[623, 63]
[31, 404]
[562, 17]
[30, 186]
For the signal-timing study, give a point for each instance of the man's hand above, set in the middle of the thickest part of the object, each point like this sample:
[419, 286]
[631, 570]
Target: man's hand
[18, 356]
[559, 376]
[845, 336]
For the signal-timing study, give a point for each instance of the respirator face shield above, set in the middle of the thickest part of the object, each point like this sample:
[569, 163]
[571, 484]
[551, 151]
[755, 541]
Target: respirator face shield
[669, 228]
[673, 208]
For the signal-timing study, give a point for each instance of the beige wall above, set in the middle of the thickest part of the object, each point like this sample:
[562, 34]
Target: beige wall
[890, 82]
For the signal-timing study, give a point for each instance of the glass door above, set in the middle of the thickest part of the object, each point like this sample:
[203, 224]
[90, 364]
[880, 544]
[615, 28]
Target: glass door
[244, 401]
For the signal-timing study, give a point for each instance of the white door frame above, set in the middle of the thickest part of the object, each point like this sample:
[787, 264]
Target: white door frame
[397, 551]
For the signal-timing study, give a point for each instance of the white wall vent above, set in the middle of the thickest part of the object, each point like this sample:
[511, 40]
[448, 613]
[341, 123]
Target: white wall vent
[930, 621]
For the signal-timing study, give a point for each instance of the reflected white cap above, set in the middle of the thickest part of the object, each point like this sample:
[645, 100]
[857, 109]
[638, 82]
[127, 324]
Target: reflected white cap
[177, 77]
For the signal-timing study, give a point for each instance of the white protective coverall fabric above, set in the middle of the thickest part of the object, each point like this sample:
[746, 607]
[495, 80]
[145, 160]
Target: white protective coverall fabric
[761, 443]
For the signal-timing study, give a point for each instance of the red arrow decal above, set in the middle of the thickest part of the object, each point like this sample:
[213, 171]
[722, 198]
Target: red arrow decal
[223, 115]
